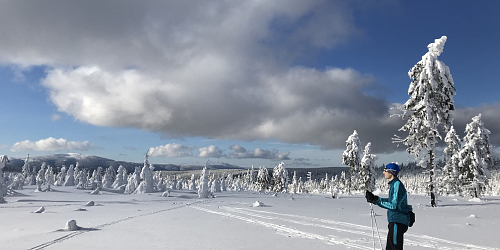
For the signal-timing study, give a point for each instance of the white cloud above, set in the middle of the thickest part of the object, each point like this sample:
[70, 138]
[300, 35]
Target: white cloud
[211, 152]
[242, 153]
[55, 117]
[51, 144]
[171, 150]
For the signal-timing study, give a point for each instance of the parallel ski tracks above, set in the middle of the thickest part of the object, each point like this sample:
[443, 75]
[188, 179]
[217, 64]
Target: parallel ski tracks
[269, 219]
[86, 230]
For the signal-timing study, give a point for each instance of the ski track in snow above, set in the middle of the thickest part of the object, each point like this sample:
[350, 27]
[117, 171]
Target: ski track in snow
[262, 218]
[76, 233]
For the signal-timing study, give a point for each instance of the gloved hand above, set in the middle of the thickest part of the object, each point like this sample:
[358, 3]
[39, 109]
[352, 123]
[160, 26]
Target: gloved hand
[370, 197]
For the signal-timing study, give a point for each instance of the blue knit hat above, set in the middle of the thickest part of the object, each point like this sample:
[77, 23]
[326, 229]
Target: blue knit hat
[392, 168]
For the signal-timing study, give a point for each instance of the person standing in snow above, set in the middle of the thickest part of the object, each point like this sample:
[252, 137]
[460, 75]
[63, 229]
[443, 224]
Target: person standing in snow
[398, 210]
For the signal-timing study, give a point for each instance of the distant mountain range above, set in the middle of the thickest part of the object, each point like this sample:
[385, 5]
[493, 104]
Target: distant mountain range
[92, 162]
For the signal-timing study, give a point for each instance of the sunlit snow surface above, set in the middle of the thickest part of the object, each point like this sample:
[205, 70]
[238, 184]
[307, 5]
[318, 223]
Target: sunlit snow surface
[230, 221]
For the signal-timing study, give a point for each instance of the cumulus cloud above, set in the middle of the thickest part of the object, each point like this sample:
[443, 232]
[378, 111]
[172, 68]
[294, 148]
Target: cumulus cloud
[171, 150]
[51, 144]
[211, 152]
[214, 69]
[242, 153]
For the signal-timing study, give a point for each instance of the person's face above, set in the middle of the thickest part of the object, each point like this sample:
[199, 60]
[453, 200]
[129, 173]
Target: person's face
[387, 175]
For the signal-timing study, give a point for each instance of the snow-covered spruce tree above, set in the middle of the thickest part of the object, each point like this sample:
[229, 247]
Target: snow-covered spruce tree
[475, 158]
[294, 185]
[107, 179]
[351, 158]
[3, 160]
[215, 188]
[61, 177]
[40, 180]
[27, 169]
[280, 178]
[203, 190]
[263, 181]
[367, 170]
[147, 184]
[192, 184]
[131, 184]
[429, 107]
[119, 181]
[70, 176]
[449, 175]
[49, 178]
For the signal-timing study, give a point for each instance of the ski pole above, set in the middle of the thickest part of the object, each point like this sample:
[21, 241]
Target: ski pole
[376, 226]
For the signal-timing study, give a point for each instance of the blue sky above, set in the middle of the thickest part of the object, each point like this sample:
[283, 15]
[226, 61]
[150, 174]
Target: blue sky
[250, 83]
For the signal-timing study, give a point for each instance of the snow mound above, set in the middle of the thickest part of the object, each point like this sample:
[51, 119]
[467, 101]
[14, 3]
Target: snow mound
[40, 210]
[475, 200]
[472, 216]
[71, 226]
[258, 204]
[90, 204]
[165, 194]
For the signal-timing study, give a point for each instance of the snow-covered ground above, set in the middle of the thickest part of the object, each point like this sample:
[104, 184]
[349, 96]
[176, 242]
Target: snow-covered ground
[231, 221]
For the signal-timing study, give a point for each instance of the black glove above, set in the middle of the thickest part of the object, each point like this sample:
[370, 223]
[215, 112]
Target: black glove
[370, 197]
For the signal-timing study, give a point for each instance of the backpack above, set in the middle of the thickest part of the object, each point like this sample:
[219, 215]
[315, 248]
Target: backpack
[412, 218]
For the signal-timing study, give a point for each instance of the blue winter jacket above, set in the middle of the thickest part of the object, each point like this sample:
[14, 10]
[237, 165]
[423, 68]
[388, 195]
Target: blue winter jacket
[397, 204]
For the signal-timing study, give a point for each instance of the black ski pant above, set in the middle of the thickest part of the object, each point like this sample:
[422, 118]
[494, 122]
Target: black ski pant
[395, 236]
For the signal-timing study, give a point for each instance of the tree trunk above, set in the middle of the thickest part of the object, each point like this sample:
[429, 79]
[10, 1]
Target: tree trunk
[431, 181]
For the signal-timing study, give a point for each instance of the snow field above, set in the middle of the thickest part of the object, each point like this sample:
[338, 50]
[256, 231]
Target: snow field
[229, 221]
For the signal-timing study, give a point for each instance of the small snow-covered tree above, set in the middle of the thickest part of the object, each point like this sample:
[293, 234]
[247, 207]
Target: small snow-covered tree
[3, 161]
[449, 175]
[192, 184]
[263, 181]
[109, 175]
[475, 158]
[120, 177]
[40, 180]
[49, 178]
[351, 158]
[147, 185]
[203, 190]
[26, 168]
[70, 176]
[366, 173]
[429, 107]
[294, 185]
[61, 176]
[215, 188]
[280, 178]
[131, 184]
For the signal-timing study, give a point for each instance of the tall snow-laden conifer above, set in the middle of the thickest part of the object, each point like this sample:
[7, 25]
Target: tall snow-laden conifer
[431, 100]
[351, 158]
[366, 172]
[449, 181]
[475, 158]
